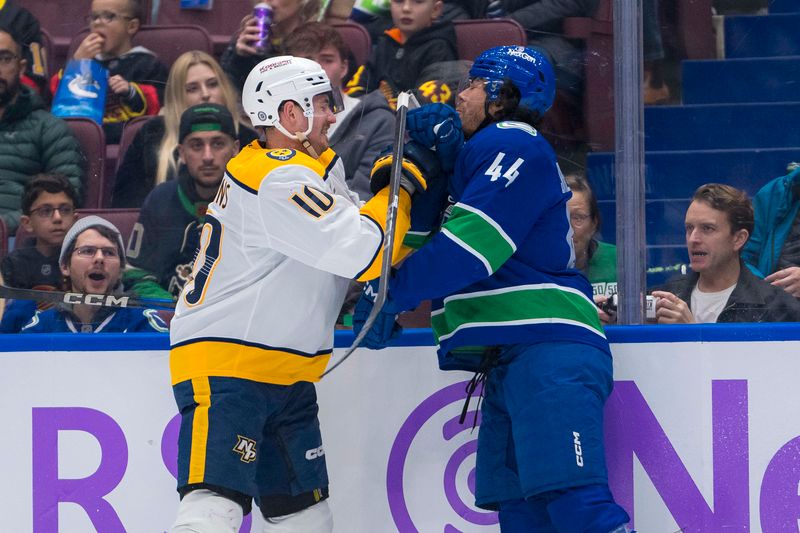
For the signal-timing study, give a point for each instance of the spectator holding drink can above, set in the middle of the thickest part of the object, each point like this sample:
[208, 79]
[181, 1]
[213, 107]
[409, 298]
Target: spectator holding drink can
[261, 33]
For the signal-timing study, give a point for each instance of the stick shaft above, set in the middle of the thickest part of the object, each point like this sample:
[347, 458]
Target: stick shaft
[391, 221]
[103, 300]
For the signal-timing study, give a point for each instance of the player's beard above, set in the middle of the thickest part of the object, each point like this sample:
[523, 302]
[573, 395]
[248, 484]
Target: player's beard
[8, 91]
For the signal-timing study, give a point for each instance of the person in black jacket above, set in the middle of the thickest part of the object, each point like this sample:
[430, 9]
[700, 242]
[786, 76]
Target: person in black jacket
[162, 246]
[720, 287]
[404, 51]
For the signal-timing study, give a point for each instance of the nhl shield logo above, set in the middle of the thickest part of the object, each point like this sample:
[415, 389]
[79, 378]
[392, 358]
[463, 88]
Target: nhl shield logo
[246, 448]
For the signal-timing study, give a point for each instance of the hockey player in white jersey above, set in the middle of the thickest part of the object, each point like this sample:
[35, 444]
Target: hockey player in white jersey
[253, 329]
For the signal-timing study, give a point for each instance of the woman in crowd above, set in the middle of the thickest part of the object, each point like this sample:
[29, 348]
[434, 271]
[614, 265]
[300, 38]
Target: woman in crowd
[194, 78]
[596, 259]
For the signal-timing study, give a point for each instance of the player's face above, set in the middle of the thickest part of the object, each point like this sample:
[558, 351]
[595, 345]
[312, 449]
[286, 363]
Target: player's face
[411, 16]
[583, 225]
[205, 154]
[713, 247]
[331, 62]
[113, 20]
[98, 273]
[52, 214]
[11, 67]
[202, 86]
[323, 118]
[471, 106]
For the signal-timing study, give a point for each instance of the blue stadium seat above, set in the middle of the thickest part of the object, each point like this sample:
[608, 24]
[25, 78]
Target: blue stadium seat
[677, 174]
[784, 6]
[710, 127]
[750, 80]
[763, 36]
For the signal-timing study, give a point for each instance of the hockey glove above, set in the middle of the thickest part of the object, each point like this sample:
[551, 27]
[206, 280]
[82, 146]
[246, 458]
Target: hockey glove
[437, 126]
[419, 166]
[385, 328]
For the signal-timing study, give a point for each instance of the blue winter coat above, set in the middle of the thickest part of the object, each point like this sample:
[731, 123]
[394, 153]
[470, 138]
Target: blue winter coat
[775, 208]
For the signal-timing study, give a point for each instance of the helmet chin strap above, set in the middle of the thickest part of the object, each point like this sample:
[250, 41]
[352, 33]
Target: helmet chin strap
[301, 137]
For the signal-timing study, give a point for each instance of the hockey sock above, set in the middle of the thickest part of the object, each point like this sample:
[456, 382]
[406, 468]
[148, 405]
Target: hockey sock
[589, 508]
[314, 519]
[204, 511]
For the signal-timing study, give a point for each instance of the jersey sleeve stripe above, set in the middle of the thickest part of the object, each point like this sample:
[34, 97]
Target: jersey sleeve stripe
[241, 184]
[415, 239]
[469, 249]
[489, 220]
[481, 234]
[377, 249]
[526, 304]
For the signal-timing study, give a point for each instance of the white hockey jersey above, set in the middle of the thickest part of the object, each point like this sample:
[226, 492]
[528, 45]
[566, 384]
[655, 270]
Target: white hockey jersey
[280, 243]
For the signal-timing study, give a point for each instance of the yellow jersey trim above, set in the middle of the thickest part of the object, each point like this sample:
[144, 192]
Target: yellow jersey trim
[375, 209]
[254, 163]
[234, 360]
[197, 456]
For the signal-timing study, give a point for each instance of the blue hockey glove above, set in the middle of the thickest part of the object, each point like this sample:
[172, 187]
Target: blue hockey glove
[384, 329]
[437, 126]
[419, 166]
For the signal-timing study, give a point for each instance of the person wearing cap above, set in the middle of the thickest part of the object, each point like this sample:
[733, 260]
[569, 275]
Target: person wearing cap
[92, 258]
[162, 246]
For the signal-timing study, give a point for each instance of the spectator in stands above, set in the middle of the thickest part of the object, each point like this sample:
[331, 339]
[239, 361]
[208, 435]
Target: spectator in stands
[774, 248]
[32, 141]
[135, 75]
[151, 159]
[241, 55]
[543, 21]
[366, 126]
[163, 244]
[415, 42]
[20, 22]
[92, 258]
[48, 212]
[721, 288]
[596, 259]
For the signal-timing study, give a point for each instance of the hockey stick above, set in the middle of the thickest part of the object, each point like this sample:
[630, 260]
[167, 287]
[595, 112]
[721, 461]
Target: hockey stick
[104, 300]
[403, 101]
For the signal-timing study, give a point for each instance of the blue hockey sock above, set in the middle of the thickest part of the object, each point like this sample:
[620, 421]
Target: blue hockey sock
[523, 516]
[589, 509]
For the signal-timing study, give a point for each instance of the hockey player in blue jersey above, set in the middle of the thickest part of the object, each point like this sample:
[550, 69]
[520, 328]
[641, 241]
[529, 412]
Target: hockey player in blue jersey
[508, 303]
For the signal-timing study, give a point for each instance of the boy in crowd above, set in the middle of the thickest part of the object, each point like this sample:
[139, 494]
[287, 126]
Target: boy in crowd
[163, 243]
[136, 77]
[402, 52]
[48, 207]
[92, 258]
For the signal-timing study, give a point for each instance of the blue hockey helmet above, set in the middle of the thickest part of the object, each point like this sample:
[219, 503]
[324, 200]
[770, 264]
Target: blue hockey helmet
[529, 70]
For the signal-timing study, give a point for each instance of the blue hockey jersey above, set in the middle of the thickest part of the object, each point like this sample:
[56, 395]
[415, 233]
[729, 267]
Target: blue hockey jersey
[108, 320]
[500, 270]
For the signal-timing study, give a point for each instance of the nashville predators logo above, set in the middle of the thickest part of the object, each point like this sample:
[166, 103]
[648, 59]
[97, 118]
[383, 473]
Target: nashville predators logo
[281, 154]
[435, 92]
[246, 448]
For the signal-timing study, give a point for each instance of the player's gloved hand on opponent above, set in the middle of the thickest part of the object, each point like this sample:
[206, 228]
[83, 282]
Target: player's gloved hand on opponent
[385, 328]
[437, 126]
[419, 166]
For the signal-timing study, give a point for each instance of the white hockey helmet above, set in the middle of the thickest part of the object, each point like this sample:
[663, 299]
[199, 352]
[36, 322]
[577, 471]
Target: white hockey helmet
[278, 79]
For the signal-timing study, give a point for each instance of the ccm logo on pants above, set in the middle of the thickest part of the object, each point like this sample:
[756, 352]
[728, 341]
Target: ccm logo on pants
[314, 453]
[576, 440]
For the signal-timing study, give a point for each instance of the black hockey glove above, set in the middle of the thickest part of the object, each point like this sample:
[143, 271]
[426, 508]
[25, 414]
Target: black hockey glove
[419, 166]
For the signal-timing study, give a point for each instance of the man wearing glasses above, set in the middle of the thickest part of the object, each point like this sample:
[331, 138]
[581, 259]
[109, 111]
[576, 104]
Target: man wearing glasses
[92, 258]
[32, 141]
